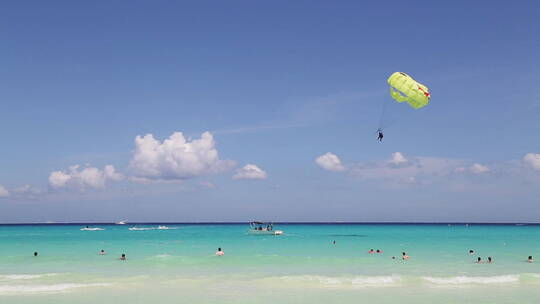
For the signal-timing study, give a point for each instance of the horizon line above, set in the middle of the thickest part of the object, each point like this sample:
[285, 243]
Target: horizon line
[276, 222]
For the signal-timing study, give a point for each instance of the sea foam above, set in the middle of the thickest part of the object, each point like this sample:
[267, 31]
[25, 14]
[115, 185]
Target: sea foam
[5, 277]
[355, 281]
[53, 288]
[463, 280]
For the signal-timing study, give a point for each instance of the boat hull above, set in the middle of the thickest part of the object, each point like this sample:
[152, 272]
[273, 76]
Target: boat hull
[265, 232]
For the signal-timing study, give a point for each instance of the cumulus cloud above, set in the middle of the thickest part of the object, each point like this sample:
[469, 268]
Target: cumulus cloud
[404, 170]
[27, 190]
[58, 179]
[474, 169]
[533, 160]
[398, 159]
[3, 192]
[478, 169]
[176, 158]
[250, 171]
[330, 162]
[89, 177]
[110, 173]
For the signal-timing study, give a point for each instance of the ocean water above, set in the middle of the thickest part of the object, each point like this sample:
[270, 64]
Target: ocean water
[301, 266]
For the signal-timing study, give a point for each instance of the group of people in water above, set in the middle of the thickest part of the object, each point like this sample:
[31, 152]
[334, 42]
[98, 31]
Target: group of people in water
[122, 257]
[404, 255]
[490, 259]
[479, 259]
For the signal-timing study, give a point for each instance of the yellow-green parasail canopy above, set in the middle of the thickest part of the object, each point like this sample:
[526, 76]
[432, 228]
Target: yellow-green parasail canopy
[404, 88]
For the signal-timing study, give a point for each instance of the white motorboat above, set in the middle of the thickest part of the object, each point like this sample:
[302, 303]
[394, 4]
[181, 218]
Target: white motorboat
[263, 228]
[92, 229]
[141, 228]
[120, 223]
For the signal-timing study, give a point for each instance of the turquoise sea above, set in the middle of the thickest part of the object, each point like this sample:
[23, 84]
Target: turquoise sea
[302, 266]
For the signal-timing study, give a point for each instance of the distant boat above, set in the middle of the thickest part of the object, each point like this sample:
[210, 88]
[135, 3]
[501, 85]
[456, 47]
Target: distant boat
[92, 229]
[141, 228]
[161, 227]
[120, 223]
[263, 228]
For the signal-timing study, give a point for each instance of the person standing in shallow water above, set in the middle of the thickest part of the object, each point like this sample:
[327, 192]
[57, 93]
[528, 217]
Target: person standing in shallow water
[123, 257]
[530, 259]
[35, 253]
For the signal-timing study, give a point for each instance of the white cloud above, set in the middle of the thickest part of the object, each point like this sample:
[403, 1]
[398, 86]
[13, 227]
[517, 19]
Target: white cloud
[398, 159]
[110, 173]
[330, 161]
[474, 169]
[26, 192]
[460, 170]
[404, 170]
[478, 169]
[27, 189]
[58, 179]
[3, 191]
[176, 157]
[533, 160]
[89, 177]
[250, 171]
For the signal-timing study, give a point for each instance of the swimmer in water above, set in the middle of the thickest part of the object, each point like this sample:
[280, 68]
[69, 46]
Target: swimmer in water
[102, 252]
[371, 251]
[219, 252]
[479, 260]
[35, 253]
[379, 251]
[404, 256]
[471, 251]
[489, 260]
[123, 257]
[334, 242]
[393, 258]
[530, 259]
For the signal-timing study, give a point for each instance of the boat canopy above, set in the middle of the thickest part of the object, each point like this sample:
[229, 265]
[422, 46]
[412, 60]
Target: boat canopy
[261, 223]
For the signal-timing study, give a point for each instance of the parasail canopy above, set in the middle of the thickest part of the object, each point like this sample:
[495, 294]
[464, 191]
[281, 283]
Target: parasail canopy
[403, 88]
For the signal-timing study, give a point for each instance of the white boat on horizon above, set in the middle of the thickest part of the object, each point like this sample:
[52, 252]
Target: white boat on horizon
[263, 228]
[92, 229]
[120, 223]
[163, 227]
[141, 228]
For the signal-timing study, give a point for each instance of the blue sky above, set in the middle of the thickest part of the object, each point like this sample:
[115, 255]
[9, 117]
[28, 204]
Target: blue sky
[277, 85]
